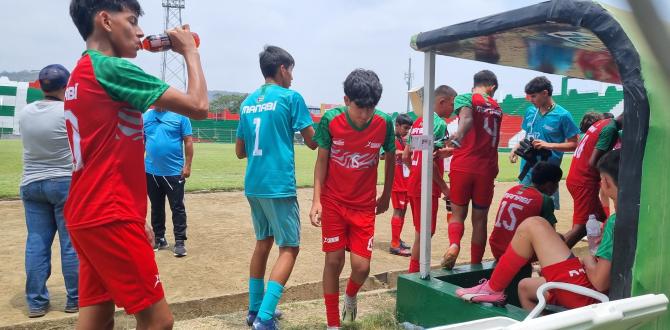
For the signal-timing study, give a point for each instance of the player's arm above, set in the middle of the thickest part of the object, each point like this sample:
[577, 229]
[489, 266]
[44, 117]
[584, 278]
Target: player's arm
[407, 155]
[570, 144]
[604, 144]
[239, 149]
[308, 135]
[465, 120]
[188, 155]
[194, 103]
[389, 171]
[573, 236]
[320, 171]
[438, 178]
[598, 272]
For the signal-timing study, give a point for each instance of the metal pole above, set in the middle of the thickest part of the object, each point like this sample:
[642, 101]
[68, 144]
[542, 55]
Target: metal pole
[408, 78]
[426, 163]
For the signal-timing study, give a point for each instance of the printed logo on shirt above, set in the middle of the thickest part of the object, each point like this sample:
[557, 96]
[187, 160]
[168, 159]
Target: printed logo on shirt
[338, 142]
[548, 128]
[269, 106]
[576, 272]
[158, 280]
[354, 159]
[373, 145]
[71, 92]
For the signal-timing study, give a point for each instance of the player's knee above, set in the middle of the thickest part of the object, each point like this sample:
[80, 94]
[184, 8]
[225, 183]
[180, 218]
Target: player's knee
[534, 223]
[362, 269]
[292, 250]
[165, 323]
[334, 261]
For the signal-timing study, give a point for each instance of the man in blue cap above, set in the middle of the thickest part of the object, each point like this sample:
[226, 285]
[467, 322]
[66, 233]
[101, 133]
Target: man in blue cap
[47, 170]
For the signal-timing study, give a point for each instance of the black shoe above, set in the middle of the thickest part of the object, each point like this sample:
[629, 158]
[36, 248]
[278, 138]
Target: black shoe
[161, 244]
[179, 249]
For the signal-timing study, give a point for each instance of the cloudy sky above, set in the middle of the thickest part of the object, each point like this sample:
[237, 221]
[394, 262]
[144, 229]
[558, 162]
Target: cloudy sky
[328, 39]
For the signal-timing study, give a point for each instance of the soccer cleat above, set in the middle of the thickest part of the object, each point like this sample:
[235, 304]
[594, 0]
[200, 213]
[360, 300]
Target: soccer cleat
[161, 244]
[251, 316]
[449, 258]
[404, 245]
[349, 309]
[259, 324]
[179, 249]
[400, 251]
[482, 293]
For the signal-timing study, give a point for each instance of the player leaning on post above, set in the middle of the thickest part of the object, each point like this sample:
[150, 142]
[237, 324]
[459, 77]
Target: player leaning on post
[268, 119]
[349, 140]
[474, 165]
[106, 210]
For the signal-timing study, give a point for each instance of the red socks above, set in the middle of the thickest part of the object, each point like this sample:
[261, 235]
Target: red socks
[352, 288]
[456, 229]
[396, 229]
[476, 253]
[413, 266]
[332, 308]
[510, 263]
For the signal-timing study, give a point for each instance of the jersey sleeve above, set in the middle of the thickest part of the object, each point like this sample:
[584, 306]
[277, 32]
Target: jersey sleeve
[547, 211]
[389, 140]
[186, 128]
[607, 138]
[568, 126]
[462, 100]
[126, 82]
[299, 113]
[607, 243]
[439, 132]
[322, 135]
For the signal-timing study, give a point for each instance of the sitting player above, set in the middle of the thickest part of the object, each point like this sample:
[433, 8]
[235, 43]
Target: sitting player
[536, 237]
[403, 123]
[522, 202]
[345, 187]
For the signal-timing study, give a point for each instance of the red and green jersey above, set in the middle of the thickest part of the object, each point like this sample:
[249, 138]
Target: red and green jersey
[401, 173]
[354, 156]
[479, 147]
[439, 132]
[518, 204]
[602, 136]
[104, 101]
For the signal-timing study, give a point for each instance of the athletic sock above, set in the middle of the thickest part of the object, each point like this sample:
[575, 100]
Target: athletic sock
[413, 266]
[256, 291]
[509, 265]
[332, 308]
[455, 230]
[270, 300]
[352, 288]
[476, 253]
[396, 229]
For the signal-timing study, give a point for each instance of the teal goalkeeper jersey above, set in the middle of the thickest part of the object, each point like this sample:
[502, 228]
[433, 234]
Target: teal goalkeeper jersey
[269, 117]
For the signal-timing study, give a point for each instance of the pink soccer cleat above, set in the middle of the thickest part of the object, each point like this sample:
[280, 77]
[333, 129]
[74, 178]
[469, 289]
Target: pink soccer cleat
[482, 293]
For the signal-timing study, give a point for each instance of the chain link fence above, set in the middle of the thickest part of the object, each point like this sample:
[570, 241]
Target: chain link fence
[227, 135]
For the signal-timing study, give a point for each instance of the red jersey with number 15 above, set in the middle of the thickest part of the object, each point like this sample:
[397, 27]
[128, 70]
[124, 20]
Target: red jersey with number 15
[104, 101]
[479, 147]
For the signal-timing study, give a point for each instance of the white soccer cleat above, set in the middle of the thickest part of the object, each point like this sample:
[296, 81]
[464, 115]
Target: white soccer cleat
[349, 309]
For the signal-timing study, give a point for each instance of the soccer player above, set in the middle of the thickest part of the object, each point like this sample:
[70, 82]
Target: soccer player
[583, 180]
[474, 165]
[345, 187]
[403, 123]
[536, 237]
[444, 106]
[268, 119]
[106, 210]
[522, 202]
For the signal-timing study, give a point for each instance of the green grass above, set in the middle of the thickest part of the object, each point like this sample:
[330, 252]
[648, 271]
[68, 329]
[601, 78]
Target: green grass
[215, 167]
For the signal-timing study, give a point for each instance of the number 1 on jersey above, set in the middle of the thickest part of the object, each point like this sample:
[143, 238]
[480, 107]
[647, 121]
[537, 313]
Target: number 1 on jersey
[257, 151]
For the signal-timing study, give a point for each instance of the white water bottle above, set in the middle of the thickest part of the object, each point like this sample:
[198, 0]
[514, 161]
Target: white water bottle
[593, 233]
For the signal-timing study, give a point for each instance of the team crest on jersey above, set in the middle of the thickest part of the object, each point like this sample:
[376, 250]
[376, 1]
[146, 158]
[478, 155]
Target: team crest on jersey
[260, 99]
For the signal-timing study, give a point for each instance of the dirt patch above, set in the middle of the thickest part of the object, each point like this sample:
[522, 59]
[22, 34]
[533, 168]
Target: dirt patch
[219, 248]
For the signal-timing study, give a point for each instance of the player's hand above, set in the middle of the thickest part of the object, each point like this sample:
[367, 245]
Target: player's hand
[445, 152]
[539, 144]
[149, 232]
[181, 39]
[445, 192]
[315, 214]
[185, 172]
[407, 158]
[382, 204]
[513, 157]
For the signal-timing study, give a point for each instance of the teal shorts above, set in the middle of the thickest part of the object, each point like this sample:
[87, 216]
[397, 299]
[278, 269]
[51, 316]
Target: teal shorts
[278, 218]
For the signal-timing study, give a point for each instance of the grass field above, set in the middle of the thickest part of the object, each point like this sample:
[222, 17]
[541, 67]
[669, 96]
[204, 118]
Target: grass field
[215, 167]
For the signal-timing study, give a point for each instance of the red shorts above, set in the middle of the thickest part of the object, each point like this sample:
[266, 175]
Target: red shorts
[347, 228]
[116, 262]
[470, 186]
[399, 200]
[568, 271]
[587, 202]
[415, 203]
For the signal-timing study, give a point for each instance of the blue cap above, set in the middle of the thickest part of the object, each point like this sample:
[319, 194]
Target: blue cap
[53, 77]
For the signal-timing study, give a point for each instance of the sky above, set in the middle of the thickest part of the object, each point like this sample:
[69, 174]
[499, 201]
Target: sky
[328, 39]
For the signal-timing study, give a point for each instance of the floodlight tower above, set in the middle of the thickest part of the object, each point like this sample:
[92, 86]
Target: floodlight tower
[173, 69]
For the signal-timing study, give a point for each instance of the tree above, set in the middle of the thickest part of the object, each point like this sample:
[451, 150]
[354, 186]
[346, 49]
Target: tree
[231, 102]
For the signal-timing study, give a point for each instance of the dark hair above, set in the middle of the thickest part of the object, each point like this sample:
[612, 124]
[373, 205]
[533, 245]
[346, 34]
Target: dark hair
[609, 164]
[272, 58]
[363, 88]
[589, 119]
[404, 119]
[485, 78]
[446, 91]
[83, 12]
[608, 115]
[539, 84]
[544, 172]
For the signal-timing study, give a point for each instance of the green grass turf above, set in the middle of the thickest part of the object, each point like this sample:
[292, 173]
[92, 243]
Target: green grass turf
[215, 167]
